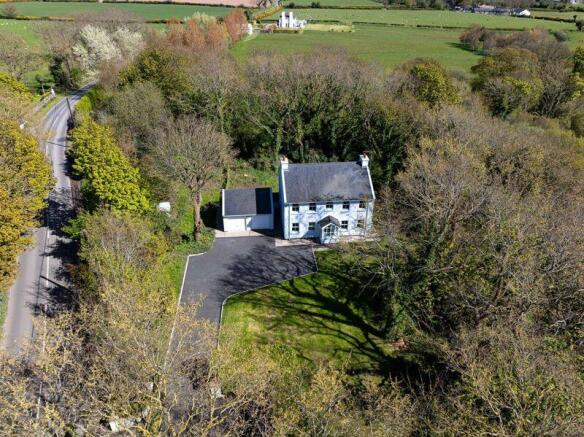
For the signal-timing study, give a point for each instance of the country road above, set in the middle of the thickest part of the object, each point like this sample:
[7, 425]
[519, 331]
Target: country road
[41, 281]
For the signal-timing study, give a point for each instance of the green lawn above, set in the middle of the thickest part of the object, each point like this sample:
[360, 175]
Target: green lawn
[389, 46]
[318, 316]
[146, 11]
[427, 18]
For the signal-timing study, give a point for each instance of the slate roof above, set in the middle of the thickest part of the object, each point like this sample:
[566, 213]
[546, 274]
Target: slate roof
[247, 201]
[329, 219]
[327, 181]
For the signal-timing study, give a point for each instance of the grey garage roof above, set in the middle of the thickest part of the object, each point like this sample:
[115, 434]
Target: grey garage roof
[247, 201]
[327, 181]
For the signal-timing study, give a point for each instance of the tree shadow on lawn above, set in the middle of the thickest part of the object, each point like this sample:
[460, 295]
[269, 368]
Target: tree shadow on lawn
[316, 315]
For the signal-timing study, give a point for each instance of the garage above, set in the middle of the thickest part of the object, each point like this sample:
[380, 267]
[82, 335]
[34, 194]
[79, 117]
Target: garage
[247, 209]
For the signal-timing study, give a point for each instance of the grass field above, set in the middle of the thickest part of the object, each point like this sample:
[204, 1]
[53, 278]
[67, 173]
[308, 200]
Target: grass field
[337, 3]
[388, 46]
[566, 15]
[319, 316]
[427, 18]
[146, 11]
[24, 29]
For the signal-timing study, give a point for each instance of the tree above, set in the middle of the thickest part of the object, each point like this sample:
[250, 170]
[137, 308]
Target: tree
[96, 47]
[59, 41]
[236, 25]
[25, 181]
[111, 180]
[137, 111]
[192, 152]
[429, 83]
[510, 385]
[16, 56]
[165, 67]
[579, 60]
[509, 79]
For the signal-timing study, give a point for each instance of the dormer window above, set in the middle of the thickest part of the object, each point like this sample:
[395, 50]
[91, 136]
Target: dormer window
[329, 205]
[295, 207]
[346, 205]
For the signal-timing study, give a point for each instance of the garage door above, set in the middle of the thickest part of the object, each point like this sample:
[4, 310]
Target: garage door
[235, 224]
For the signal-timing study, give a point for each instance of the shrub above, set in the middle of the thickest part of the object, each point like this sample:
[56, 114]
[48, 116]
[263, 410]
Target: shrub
[9, 11]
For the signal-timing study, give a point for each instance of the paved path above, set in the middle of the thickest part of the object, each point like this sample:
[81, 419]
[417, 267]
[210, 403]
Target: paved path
[239, 264]
[41, 279]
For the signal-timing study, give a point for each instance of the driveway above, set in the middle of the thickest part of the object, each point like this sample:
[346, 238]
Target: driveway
[240, 264]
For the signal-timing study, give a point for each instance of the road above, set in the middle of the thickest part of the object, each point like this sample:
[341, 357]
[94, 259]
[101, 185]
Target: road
[41, 279]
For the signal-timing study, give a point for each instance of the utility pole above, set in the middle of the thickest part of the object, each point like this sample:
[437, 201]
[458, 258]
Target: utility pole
[69, 106]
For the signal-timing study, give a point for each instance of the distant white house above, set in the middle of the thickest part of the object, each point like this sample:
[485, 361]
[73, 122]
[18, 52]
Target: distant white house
[287, 21]
[523, 13]
[326, 201]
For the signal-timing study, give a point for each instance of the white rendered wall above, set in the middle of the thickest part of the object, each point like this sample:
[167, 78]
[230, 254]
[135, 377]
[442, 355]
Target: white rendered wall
[304, 216]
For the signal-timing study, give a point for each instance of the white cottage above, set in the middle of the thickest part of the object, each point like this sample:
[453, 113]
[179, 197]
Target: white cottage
[288, 21]
[327, 201]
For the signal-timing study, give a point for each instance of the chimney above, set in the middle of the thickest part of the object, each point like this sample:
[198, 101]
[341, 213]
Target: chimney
[284, 163]
[364, 160]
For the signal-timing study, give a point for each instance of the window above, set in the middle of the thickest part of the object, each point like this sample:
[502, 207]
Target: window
[362, 204]
[329, 231]
[345, 224]
[311, 226]
[361, 223]
[329, 205]
[295, 227]
[346, 205]
[312, 206]
[295, 207]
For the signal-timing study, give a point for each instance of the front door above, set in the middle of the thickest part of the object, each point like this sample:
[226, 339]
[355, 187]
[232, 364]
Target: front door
[329, 233]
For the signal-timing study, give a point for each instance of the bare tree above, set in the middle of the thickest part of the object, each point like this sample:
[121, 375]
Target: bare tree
[192, 152]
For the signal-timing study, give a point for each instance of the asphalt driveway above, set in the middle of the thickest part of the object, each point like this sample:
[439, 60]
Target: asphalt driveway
[239, 264]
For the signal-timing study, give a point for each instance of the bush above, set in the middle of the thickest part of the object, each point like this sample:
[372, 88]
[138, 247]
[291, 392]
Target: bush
[560, 36]
[9, 11]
